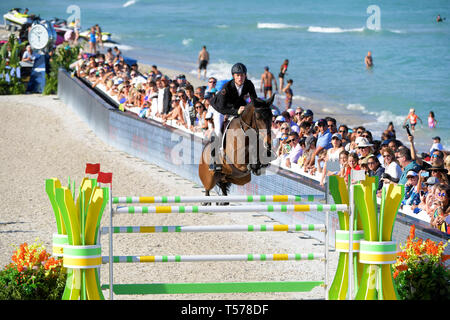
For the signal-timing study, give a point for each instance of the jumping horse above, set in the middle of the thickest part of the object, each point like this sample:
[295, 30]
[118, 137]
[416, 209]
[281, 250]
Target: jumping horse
[245, 148]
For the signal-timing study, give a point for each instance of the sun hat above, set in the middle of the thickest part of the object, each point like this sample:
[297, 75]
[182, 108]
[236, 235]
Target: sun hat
[364, 142]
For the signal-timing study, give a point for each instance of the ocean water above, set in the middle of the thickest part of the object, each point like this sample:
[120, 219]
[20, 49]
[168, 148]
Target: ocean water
[325, 42]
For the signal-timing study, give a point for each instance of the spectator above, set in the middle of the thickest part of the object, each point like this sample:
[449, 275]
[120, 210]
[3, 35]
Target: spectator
[407, 164]
[166, 95]
[343, 162]
[375, 169]
[176, 113]
[309, 153]
[428, 196]
[331, 122]
[439, 172]
[437, 158]
[200, 94]
[352, 164]
[296, 149]
[28, 55]
[412, 196]
[211, 89]
[201, 123]
[283, 147]
[298, 115]
[323, 141]
[447, 163]
[308, 116]
[343, 131]
[364, 148]
[181, 81]
[284, 126]
[439, 220]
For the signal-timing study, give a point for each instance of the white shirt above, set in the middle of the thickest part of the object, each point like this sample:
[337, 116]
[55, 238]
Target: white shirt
[394, 170]
[239, 89]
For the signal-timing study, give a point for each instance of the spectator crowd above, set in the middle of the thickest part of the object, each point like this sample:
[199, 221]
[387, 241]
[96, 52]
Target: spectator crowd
[303, 144]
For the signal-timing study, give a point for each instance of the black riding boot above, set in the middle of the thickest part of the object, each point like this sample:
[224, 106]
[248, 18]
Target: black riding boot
[213, 166]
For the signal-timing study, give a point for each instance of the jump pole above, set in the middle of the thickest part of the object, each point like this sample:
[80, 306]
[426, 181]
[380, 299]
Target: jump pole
[231, 198]
[238, 208]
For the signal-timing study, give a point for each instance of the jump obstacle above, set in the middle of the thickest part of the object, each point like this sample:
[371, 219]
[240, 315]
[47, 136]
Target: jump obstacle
[77, 240]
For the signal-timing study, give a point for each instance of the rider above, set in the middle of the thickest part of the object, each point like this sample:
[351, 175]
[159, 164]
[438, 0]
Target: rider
[231, 101]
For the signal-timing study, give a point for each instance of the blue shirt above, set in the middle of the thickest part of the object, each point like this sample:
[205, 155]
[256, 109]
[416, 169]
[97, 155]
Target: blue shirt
[324, 140]
[412, 197]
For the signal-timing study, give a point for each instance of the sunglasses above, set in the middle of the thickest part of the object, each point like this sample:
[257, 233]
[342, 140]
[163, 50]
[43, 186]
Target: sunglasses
[298, 113]
[371, 162]
[283, 138]
[289, 141]
[212, 81]
[387, 156]
[441, 194]
[342, 131]
[435, 156]
[359, 132]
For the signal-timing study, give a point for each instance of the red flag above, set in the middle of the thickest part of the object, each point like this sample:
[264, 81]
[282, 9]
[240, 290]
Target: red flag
[92, 168]
[104, 177]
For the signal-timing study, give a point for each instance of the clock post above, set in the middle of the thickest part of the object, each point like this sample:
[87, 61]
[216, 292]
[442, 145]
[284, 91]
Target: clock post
[42, 37]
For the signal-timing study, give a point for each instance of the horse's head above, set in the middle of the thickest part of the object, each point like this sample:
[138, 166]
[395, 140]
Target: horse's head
[259, 113]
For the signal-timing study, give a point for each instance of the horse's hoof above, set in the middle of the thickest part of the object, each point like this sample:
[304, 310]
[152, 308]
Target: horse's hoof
[206, 203]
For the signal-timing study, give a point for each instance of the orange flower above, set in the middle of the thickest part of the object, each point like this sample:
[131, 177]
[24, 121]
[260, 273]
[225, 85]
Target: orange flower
[412, 232]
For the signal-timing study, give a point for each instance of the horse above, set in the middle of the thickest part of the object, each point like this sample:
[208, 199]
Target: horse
[246, 149]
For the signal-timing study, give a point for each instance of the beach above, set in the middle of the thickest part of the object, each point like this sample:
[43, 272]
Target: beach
[42, 138]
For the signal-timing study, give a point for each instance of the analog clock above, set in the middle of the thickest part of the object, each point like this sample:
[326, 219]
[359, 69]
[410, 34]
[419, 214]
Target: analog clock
[41, 36]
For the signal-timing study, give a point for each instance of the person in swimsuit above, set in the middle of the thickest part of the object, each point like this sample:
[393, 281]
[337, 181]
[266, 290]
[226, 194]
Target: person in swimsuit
[282, 73]
[289, 94]
[203, 59]
[432, 122]
[412, 117]
[369, 60]
[92, 41]
[266, 83]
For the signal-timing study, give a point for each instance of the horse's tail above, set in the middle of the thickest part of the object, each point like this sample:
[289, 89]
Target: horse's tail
[224, 186]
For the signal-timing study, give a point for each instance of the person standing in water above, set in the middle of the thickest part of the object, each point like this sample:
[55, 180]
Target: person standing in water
[369, 60]
[203, 60]
[266, 82]
[282, 73]
[412, 117]
[432, 122]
